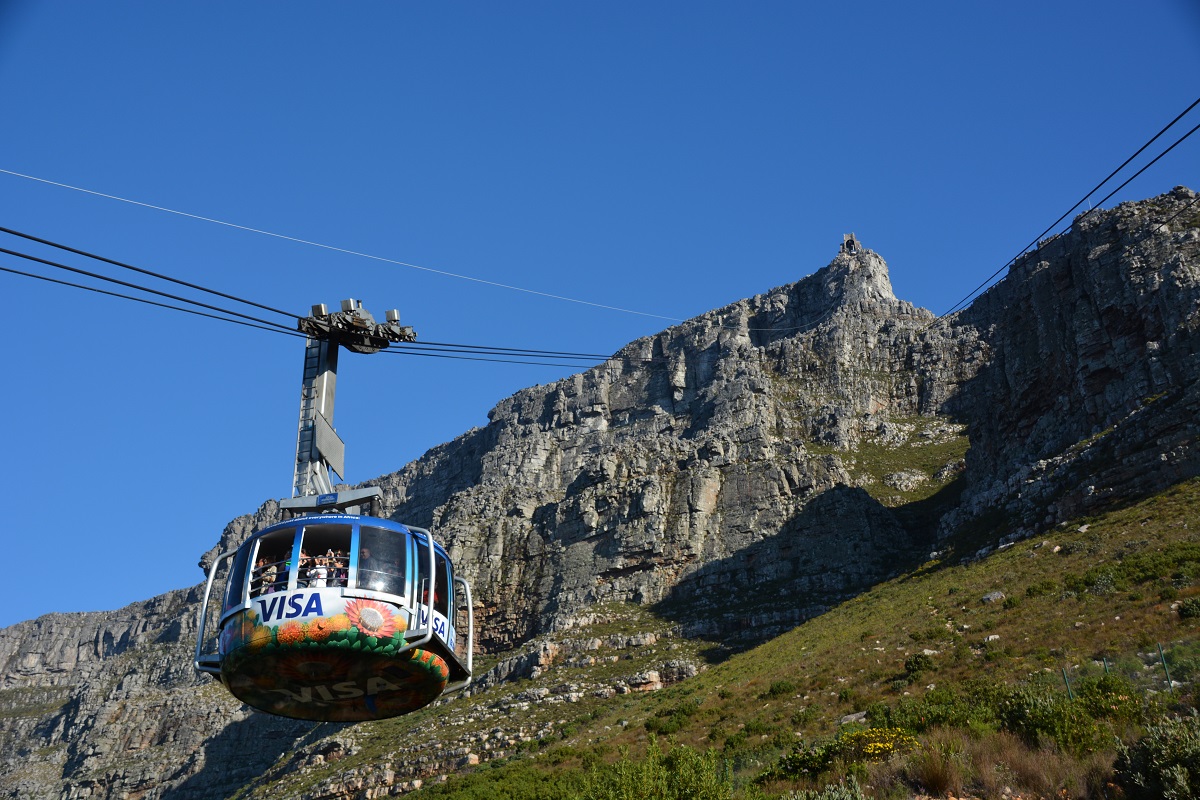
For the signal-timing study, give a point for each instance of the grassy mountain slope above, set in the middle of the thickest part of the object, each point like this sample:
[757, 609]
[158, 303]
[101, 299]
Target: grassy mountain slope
[1104, 588]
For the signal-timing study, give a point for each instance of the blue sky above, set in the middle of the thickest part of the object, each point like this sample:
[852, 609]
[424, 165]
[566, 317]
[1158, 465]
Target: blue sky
[665, 158]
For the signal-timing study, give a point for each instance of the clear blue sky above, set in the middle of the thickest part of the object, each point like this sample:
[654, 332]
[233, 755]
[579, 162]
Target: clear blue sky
[663, 157]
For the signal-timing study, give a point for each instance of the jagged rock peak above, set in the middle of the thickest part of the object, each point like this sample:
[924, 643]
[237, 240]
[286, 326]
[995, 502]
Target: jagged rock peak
[854, 284]
[861, 273]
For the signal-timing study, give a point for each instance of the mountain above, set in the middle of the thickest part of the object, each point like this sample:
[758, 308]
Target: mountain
[736, 474]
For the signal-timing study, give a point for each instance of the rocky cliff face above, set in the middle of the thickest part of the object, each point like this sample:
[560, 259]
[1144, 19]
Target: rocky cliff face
[1089, 391]
[738, 472]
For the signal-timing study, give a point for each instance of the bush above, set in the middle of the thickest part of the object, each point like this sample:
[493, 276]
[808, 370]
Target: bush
[1163, 765]
[1039, 715]
[1189, 608]
[803, 762]
[973, 705]
[874, 744]
[1184, 661]
[669, 720]
[680, 774]
[854, 747]
[521, 780]
[1040, 588]
[834, 791]
[917, 663]
[780, 688]
[1111, 697]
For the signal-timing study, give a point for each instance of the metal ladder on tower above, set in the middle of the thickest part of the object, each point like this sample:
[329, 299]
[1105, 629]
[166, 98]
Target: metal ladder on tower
[308, 478]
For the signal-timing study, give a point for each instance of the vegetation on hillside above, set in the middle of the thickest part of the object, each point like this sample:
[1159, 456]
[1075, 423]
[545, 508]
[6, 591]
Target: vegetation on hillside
[1034, 672]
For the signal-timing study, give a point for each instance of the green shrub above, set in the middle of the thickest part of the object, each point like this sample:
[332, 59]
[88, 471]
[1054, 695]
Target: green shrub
[669, 720]
[1040, 588]
[933, 633]
[1164, 764]
[1184, 661]
[521, 780]
[973, 704]
[736, 741]
[1184, 575]
[679, 774]
[1189, 608]
[758, 727]
[1039, 714]
[780, 689]
[874, 744]
[834, 791]
[916, 664]
[1111, 697]
[805, 716]
[803, 762]
[850, 748]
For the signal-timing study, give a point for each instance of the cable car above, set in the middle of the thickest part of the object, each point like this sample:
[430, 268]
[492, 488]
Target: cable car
[340, 617]
[332, 614]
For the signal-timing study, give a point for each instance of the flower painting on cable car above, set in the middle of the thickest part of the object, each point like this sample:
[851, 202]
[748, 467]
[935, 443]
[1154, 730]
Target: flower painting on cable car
[315, 655]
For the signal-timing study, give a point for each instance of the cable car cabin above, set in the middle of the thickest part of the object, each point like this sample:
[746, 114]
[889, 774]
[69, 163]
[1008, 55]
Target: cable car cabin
[339, 617]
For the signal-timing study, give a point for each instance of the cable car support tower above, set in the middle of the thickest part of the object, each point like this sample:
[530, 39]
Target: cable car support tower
[320, 452]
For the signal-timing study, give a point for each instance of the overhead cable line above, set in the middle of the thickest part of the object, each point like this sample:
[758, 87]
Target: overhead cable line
[271, 329]
[105, 259]
[160, 276]
[416, 347]
[168, 295]
[1149, 165]
[147, 301]
[405, 352]
[486, 347]
[1094, 189]
[344, 250]
[267, 325]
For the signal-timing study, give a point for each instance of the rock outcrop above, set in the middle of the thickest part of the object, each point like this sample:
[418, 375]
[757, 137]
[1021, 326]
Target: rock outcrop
[739, 472]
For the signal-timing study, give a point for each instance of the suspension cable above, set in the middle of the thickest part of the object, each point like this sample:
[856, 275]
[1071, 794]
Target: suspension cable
[343, 250]
[160, 276]
[1039, 237]
[147, 301]
[273, 327]
[97, 276]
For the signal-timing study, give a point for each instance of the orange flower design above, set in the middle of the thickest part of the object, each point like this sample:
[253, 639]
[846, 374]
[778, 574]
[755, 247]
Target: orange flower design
[318, 630]
[259, 637]
[371, 617]
[290, 633]
[341, 622]
[438, 669]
